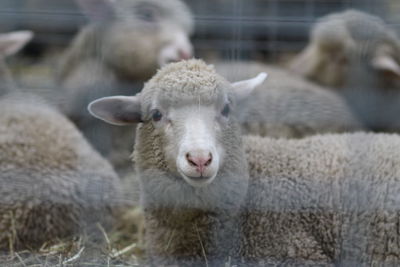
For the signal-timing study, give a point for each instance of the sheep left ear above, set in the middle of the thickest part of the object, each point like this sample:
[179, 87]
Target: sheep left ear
[12, 42]
[243, 89]
[117, 110]
[386, 63]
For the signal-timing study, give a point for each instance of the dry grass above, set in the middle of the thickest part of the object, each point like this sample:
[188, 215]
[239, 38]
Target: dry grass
[119, 247]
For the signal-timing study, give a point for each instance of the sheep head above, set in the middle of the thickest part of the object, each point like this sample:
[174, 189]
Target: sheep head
[141, 35]
[185, 111]
[346, 46]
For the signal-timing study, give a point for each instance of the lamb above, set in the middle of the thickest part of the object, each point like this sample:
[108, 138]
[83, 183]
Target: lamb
[115, 54]
[358, 55]
[179, 208]
[288, 106]
[211, 196]
[53, 184]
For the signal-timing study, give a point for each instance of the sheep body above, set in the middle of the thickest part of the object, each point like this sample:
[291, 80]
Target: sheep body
[53, 184]
[329, 199]
[288, 106]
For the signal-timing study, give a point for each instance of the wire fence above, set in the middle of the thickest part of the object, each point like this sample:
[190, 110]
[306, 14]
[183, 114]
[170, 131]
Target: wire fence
[233, 29]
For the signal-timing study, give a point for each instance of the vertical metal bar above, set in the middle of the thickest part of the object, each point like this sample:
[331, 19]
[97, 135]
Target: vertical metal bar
[272, 38]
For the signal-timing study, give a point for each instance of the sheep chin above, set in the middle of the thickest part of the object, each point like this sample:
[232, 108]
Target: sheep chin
[197, 181]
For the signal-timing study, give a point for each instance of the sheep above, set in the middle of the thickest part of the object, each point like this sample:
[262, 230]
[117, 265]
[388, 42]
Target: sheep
[211, 196]
[115, 54]
[288, 106]
[357, 54]
[176, 206]
[52, 181]
[53, 184]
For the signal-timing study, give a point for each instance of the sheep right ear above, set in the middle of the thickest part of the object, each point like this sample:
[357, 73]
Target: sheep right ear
[12, 42]
[386, 63]
[97, 10]
[304, 61]
[117, 110]
[243, 89]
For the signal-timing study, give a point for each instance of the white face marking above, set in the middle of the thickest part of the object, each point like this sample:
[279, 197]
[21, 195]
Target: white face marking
[178, 48]
[198, 157]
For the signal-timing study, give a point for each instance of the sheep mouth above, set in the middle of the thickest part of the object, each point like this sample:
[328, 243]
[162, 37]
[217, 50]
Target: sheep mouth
[171, 60]
[199, 181]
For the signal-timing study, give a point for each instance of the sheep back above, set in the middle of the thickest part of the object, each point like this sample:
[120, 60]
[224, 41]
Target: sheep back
[287, 105]
[331, 198]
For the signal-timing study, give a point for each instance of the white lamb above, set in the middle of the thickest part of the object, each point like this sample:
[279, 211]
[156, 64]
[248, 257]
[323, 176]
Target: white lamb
[211, 199]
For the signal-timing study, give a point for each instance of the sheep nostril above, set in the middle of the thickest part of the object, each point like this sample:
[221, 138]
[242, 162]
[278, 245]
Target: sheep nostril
[208, 162]
[189, 159]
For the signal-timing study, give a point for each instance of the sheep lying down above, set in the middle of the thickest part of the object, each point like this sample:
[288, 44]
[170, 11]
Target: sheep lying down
[212, 197]
[53, 184]
[358, 55]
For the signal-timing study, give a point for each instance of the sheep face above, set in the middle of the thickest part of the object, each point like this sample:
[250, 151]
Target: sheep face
[144, 34]
[346, 48]
[191, 133]
[169, 20]
[188, 114]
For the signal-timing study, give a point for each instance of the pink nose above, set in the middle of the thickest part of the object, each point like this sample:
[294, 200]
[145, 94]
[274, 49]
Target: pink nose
[183, 55]
[201, 163]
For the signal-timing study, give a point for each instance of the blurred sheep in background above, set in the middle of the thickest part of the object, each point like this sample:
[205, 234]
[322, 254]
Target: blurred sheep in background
[53, 184]
[359, 55]
[116, 53]
[288, 106]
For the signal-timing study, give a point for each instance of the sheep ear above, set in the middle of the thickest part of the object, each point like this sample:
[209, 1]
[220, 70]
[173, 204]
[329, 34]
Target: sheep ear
[97, 10]
[11, 43]
[243, 89]
[117, 110]
[302, 63]
[387, 63]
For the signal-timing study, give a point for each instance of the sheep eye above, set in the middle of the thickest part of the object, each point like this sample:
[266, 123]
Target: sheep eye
[146, 14]
[225, 111]
[157, 116]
